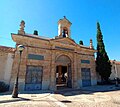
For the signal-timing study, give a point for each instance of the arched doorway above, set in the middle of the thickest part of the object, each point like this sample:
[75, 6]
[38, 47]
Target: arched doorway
[63, 72]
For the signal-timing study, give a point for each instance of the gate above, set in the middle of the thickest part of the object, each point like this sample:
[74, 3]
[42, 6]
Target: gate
[86, 77]
[63, 63]
[33, 79]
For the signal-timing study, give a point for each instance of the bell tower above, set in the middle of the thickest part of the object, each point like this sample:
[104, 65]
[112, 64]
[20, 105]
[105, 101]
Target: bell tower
[64, 28]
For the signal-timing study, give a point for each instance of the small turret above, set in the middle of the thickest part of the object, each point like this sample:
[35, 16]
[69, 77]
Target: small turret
[64, 27]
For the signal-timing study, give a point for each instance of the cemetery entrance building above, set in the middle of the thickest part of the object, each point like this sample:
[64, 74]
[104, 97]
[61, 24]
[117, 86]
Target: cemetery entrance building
[50, 63]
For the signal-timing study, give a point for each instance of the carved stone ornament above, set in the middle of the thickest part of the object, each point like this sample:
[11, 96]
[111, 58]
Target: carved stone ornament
[22, 26]
[91, 44]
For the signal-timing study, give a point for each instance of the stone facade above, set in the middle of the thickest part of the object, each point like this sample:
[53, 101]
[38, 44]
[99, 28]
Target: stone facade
[6, 61]
[115, 70]
[45, 60]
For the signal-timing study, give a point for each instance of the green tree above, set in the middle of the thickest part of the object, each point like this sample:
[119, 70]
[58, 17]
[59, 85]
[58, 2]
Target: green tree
[103, 65]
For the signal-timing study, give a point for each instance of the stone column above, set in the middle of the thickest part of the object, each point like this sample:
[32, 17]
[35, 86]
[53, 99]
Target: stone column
[93, 72]
[52, 72]
[75, 85]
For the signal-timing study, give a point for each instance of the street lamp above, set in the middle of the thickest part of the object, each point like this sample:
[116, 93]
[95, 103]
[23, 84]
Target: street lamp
[116, 76]
[15, 89]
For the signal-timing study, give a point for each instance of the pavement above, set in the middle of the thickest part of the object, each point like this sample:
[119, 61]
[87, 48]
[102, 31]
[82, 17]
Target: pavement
[101, 88]
[93, 96]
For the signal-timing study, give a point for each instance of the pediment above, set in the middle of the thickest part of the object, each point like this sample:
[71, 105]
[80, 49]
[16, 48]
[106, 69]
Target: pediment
[67, 41]
[64, 20]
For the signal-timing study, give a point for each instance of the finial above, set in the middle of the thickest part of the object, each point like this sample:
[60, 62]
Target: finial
[35, 32]
[22, 26]
[91, 44]
[64, 17]
[81, 42]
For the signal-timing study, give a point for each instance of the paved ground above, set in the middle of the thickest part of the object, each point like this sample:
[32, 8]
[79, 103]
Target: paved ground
[95, 96]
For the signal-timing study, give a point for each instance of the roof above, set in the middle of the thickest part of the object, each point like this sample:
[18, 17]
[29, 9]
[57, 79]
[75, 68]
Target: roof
[37, 36]
[64, 19]
[82, 46]
[7, 49]
[116, 62]
[33, 36]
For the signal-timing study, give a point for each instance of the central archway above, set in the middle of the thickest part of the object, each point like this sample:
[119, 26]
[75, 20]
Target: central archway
[63, 72]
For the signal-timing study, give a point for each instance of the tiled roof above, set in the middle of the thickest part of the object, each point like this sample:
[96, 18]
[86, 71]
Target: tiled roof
[116, 62]
[7, 49]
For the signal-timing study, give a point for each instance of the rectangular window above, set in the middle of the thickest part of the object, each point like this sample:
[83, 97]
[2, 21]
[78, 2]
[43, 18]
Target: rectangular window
[85, 61]
[35, 57]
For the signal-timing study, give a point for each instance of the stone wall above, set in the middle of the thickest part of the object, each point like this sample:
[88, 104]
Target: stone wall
[6, 61]
[115, 70]
[3, 59]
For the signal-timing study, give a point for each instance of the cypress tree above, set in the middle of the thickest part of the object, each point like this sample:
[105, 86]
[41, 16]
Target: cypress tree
[103, 65]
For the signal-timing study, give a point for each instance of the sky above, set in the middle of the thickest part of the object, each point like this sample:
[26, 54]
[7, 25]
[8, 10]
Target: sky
[43, 15]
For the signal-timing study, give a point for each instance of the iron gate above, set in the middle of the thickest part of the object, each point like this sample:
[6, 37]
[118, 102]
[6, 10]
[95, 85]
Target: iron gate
[33, 79]
[86, 77]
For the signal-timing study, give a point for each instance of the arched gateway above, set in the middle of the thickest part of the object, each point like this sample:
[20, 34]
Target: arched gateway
[63, 72]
